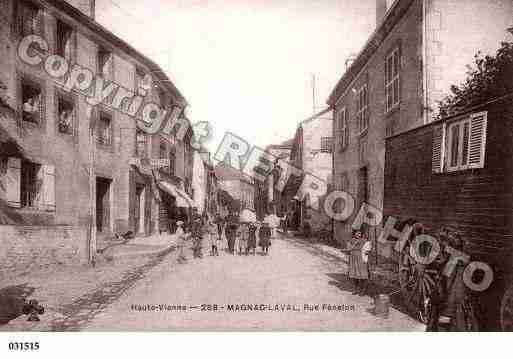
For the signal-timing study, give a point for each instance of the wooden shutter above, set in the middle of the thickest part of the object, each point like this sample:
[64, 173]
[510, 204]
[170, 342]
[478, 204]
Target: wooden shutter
[13, 182]
[477, 146]
[48, 198]
[39, 188]
[438, 148]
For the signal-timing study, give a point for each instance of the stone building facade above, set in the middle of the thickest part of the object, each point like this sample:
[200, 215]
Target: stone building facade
[394, 83]
[61, 134]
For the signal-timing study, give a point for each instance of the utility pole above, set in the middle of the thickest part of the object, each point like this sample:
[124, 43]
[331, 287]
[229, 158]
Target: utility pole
[314, 105]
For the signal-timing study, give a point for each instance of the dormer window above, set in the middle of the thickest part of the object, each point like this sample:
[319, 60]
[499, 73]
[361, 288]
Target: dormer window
[64, 40]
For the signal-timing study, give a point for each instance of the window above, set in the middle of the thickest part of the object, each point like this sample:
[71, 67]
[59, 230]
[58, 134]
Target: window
[30, 184]
[460, 145]
[342, 129]
[104, 130]
[326, 144]
[172, 161]
[140, 144]
[65, 114]
[30, 19]
[64, 40]
[32, 101]
[392, 66]
[105, 63]
[362, 109]
[162, 149]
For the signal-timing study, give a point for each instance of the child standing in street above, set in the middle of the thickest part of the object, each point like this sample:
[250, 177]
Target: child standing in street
[359, 250]
[214, 237]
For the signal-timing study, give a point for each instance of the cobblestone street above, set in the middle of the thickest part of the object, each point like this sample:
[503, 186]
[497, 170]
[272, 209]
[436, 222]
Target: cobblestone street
[290, 275]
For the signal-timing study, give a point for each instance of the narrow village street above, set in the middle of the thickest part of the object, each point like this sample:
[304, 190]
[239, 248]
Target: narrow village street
[290, 275]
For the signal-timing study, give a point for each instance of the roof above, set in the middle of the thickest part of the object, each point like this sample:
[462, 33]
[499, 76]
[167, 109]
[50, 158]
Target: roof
[115, 41]
[479, 107]
[392, 17]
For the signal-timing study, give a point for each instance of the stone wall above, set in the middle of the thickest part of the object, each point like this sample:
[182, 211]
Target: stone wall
[27, 248]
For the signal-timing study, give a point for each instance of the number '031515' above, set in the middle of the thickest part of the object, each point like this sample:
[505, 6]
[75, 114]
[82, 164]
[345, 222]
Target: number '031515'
[24, 346]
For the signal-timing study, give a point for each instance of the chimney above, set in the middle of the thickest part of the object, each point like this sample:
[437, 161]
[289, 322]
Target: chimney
[85, 6]
[349, 61]
[381, 9]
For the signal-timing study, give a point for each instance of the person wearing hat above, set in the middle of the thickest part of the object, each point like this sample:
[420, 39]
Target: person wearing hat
[265, 237]
[197, 236]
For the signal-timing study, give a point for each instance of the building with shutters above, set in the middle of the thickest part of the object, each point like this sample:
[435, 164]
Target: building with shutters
[417, 50]
[268, 195]
[457, 173]
[51, 183]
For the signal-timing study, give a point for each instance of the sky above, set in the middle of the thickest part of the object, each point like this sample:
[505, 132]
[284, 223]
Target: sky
[246, 66]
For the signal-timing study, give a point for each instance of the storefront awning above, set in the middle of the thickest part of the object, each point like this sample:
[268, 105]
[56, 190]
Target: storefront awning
[182, 198]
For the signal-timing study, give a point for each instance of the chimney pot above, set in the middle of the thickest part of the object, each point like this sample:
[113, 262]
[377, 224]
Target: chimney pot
[381, 9]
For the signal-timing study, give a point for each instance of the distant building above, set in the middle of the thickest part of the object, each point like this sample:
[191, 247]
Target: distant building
[237, 184]
[418, 49]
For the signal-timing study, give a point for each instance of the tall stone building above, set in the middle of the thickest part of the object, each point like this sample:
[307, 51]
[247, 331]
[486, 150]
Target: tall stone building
[418, 49]
[51, 182]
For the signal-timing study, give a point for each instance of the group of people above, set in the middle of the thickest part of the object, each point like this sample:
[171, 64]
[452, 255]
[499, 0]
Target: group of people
[241, 238]
[358, 250]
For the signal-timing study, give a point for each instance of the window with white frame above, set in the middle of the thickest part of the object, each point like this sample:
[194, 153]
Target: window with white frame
[460, 145]
[362, 109]
[392, 67]
[65, 40]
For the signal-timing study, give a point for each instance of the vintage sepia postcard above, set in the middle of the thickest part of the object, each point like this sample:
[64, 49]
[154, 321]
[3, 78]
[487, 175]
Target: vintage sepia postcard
[251, 165]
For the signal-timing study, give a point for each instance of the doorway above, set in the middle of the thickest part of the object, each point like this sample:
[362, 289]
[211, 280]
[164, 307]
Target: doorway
[103, 204]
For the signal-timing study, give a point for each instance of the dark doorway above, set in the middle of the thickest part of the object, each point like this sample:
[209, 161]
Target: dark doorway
[103, 204]
[363, 185]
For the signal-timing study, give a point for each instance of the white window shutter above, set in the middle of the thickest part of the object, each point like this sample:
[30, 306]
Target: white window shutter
[477, 146]
[438, 148]
[13, 182]
[49, 187]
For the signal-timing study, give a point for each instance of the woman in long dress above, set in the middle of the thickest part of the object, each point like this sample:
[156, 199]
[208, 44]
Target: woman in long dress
[182, 241]
[359, 249]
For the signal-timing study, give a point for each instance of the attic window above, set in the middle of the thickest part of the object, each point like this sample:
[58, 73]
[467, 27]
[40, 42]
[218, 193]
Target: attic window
[460, 145]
